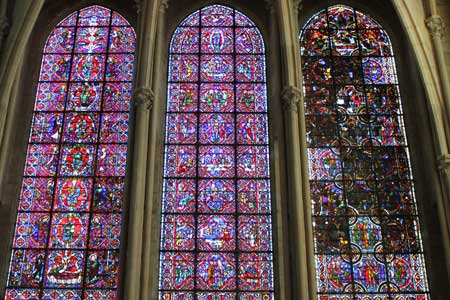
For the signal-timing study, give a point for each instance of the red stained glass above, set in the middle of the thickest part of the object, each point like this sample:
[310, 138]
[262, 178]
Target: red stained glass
[67, 237]
[216, 211]
[60, 40]
[50, 96]
[216, 128]
[178, 232]
[185, 40]
[366, 230]
[183, 68]
[182, 97]
[55, 67]
[216, 68]
[216, 97]
[216, 196]
[121, 40]
[91, 40]
[88, 67]
[181, 128]
[68, 230]
[216, 233]
[250, 68]
[32, 230]
[73, 194]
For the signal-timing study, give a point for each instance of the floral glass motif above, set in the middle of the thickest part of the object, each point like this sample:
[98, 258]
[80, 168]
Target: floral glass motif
[216, 236]
[67, 237]
[366, 227]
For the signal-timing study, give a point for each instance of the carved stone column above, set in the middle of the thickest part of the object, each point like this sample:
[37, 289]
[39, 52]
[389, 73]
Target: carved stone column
[143, 99]
[300, 223]
[291, 97]
[150, 255]
[435, 26]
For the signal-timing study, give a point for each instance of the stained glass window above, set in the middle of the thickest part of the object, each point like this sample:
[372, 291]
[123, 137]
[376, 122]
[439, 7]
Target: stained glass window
[366, 227]
[216, 236]
[67, 237]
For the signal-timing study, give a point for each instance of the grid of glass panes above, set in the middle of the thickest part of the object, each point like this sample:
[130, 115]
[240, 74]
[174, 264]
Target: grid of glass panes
[366, 229]
[67, 236]
[216, 236]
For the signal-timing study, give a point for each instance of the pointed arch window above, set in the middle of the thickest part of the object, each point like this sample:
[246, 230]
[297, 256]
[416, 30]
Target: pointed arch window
[365, 220]
[216, 236]
[67, 237]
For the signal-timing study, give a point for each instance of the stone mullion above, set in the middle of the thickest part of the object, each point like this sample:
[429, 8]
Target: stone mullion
[142, 100]
[150, 268]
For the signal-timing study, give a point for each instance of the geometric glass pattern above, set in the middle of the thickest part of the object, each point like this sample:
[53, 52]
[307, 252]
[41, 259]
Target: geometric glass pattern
[365, 220]
[216, 227]
[67, 237]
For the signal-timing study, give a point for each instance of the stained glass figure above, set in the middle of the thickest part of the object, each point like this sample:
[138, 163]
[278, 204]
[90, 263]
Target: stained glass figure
[216, 228]
[366, 227]
[67, 238]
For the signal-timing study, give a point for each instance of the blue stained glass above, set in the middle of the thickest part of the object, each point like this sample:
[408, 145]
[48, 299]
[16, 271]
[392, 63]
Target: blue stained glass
[366, 228]
[67, 238]
[216, 229]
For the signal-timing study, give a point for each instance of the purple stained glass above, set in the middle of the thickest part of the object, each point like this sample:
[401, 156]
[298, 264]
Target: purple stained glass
[67, 238]
[216, 68]
[55, 67]
[216, 40]
[182, 97]
[88, 67]
[216, 191]
[91, 40]
[121, 40]
[216, 97]
[183, 68]
[61, 40]
[216, 128]
[366, 230]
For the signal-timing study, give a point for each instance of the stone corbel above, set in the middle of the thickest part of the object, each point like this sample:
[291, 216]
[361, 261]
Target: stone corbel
[138, 5]
[435, 26]
[143, 98]
[443, 164]
[291, 97]
[297, 6]
[163, 6]
[270, 6]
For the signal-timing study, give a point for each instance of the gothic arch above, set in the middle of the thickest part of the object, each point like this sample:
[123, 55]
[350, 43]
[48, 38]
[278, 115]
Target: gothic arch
[25, 96]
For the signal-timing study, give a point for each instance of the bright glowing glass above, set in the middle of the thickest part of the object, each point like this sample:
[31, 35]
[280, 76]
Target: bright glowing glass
[216, 236]
[366, 227]
[67, 237]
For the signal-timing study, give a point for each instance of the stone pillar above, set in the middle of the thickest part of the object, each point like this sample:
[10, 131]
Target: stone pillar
[443, 204]
[291, 97]
[143, 101]
[435, 27]
[299, 203]
[150, 268]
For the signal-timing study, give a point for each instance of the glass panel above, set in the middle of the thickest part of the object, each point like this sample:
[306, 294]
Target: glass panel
[67, 237]
[216, 227]
[366, 230]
